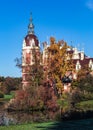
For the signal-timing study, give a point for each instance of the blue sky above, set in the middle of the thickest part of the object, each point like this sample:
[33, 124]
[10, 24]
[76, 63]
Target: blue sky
[70, 20]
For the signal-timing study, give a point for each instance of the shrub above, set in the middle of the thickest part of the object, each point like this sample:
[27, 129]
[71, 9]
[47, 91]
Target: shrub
[1, 95]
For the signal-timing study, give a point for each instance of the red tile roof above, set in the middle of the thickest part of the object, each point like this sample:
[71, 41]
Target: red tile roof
[83, 62]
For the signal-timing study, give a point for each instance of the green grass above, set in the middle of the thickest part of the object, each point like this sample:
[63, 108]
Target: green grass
[33, 126]
[85, 105]
[7, 97]
[68, 125]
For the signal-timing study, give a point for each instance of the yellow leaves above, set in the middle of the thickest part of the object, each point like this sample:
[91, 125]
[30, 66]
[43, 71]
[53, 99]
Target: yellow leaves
[52, 40]
[53, 49]
[59, 84]
[58, 62]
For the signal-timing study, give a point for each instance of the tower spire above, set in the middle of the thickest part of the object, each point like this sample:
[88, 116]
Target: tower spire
[31, 25]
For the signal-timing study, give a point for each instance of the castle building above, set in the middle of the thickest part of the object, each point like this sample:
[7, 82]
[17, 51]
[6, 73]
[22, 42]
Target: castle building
[80, 59]
[29, 50]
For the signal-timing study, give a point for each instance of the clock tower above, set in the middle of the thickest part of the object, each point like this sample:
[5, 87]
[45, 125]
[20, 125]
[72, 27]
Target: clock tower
[29, 50]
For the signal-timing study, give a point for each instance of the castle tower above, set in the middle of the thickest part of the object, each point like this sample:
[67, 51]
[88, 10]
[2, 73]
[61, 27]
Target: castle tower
[29, 50]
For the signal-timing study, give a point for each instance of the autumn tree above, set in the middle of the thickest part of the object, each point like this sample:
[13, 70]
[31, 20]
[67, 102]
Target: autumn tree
[37, 69]
[59, 62]
[58, 65]
[10, 83]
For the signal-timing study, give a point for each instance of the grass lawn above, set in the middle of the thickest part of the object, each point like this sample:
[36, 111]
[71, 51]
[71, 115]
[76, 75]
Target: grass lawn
[67, 125]
[7, 97]
[85, 105]
[33, 126]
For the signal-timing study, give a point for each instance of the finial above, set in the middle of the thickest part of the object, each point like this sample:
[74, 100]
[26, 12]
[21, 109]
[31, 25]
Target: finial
[31, 17]
[31, 26]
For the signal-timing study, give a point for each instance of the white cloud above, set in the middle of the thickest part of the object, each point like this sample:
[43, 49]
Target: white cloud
[89, 4]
